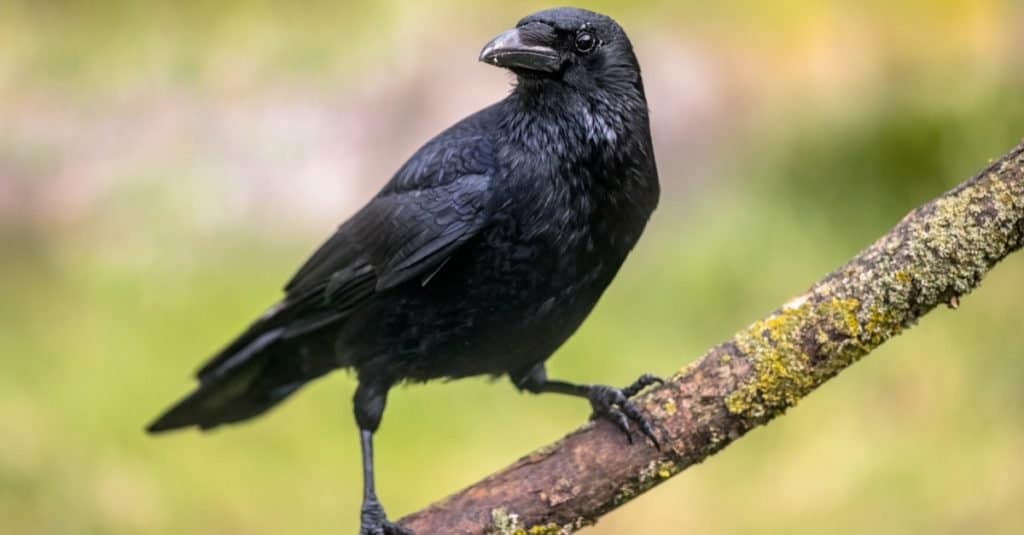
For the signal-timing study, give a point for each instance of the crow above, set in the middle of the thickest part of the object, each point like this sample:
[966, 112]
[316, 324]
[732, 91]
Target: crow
[484, 252]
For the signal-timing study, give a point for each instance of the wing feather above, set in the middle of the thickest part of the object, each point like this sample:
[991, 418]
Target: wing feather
[440, 199]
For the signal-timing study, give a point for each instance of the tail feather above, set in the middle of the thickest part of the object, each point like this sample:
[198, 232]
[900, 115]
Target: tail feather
[245, 384]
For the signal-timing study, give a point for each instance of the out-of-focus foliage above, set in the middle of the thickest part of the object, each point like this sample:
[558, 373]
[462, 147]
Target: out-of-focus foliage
[150, 156]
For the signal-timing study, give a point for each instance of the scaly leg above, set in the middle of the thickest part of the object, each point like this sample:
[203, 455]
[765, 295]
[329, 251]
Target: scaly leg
[369, 408]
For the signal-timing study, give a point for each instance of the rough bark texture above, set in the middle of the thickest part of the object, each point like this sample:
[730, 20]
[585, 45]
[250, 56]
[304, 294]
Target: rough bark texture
[936, 254]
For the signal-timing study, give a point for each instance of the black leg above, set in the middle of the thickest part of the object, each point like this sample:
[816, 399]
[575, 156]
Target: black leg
[369, 408]
[609, 403]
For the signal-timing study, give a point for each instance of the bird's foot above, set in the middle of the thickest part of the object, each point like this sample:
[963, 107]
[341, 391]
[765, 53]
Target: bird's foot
[373, 521]
[613, 404]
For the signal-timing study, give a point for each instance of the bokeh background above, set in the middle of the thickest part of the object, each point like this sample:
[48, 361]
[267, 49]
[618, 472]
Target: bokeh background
[165, 166]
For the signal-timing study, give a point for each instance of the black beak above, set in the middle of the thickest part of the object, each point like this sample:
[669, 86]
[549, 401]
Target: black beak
[509, 51]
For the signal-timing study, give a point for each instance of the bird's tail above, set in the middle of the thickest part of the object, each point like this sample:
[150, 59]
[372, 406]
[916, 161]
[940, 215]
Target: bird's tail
[253, 377]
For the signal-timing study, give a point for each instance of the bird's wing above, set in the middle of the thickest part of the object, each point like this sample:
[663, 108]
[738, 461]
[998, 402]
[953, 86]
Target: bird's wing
[398, 236]
[440, 199]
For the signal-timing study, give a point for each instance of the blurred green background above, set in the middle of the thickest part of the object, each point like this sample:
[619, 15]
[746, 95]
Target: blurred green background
[165, 166]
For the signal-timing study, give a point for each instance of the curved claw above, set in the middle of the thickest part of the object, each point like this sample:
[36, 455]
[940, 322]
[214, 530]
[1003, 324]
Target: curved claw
[634, 414]
[641, 383]
[375, 522]
[613, 404]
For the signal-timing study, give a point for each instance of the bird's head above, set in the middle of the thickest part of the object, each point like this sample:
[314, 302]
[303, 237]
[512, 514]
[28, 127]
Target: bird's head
[569, 47]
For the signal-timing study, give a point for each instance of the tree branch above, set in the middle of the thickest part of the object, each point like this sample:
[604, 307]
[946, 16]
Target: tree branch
[936, 254]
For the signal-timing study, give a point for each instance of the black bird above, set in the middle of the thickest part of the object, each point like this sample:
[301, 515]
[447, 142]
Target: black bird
[481, 256]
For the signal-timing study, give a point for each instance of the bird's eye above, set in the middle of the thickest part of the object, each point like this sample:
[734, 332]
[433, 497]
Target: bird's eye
[585, 42]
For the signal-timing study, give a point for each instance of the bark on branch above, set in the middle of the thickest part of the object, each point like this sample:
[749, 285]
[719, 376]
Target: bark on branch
[935, 255]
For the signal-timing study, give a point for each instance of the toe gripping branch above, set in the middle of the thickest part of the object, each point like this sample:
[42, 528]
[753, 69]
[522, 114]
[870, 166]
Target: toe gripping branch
[614, 405]
[373, 521]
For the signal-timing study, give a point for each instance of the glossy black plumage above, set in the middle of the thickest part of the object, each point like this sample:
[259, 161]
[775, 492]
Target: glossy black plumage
[484, 252]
